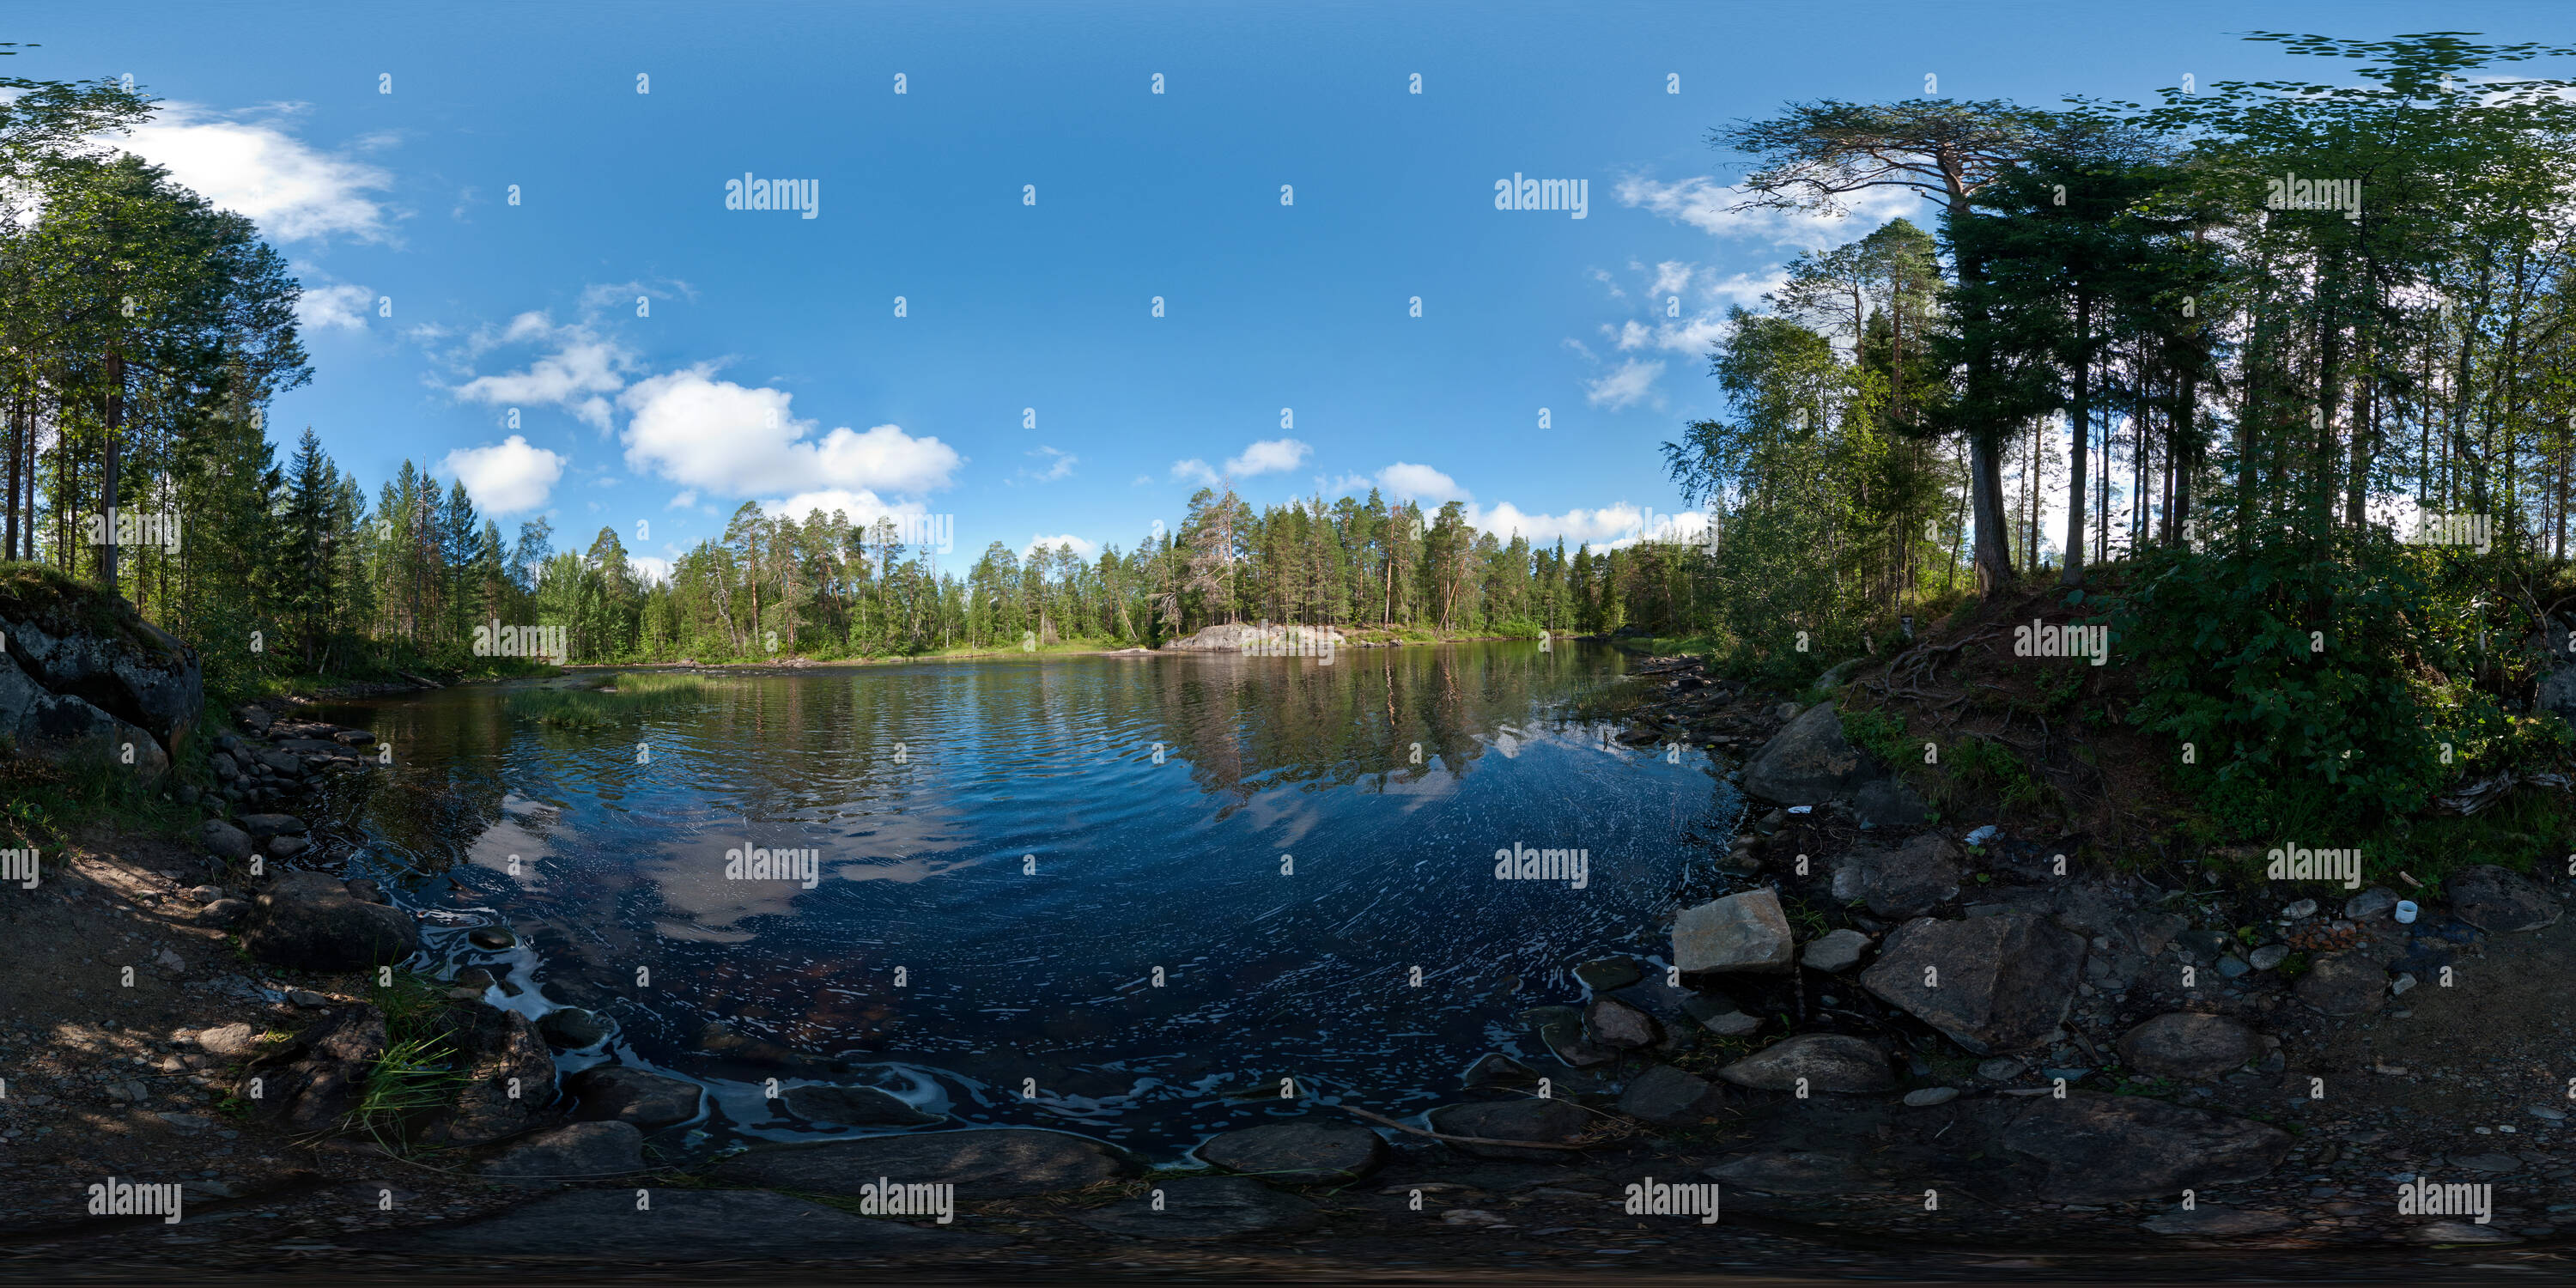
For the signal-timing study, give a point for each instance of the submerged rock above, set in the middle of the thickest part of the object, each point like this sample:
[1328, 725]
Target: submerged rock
[571, 1028]
[1609, 1022]
[1792, 1172]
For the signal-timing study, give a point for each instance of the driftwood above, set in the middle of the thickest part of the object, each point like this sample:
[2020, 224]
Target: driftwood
[1384, 1121]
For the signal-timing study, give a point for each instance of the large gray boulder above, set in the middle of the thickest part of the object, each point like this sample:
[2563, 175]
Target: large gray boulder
[2109, 1149]
[2499, 902]
[1741, 932]
[1908, 881]
[2189, 1046]
[76, 641]
[64, 729]
[982, 1164]
[1992, 984]
[1809, 761]
[310, 920]
[1833, 1062]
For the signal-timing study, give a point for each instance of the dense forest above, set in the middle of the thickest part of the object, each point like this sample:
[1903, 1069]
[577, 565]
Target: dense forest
[2268, 322]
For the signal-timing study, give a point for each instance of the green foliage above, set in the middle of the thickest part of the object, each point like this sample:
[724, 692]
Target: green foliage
[2310, 678]
[412, 1077]
[628, 696]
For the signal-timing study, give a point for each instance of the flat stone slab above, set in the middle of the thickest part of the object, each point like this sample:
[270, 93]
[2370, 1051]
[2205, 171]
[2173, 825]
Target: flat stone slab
[678, 1224]
[1993, 984]
[2189, 1046]
[981, 1164]
[2499, 902]
[1206, 1207]
[854, 1106]
[1314, 1152]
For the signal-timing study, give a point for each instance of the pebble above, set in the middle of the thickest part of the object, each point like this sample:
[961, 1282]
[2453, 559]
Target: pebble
[306, 997]
[2232, 967]
[2268, 956]
[2000, 1069]
[490, 937]
[2400, 984]
[2301, 910]
[1931, 1096]
[2549, 1112]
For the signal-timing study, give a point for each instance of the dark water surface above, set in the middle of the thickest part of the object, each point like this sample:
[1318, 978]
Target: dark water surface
[1013, 978]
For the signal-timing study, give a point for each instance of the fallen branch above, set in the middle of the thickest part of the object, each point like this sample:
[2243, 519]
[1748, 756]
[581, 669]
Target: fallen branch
[1384, 1121]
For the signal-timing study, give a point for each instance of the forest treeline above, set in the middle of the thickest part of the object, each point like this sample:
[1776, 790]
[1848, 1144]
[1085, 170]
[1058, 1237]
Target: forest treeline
[2259, 322]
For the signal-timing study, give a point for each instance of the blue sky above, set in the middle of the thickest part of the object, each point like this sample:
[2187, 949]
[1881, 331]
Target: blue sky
[772, 366]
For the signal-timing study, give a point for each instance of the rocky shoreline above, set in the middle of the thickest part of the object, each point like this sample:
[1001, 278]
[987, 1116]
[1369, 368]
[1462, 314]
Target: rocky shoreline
[2094, 1047]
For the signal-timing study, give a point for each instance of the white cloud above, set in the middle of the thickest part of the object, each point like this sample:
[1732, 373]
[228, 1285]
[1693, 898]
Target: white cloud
[1086, 549]
[255, 167]
[337, 307]
[1059, 465]
[713, 434]
[583, 368]
[650, 567]
[1608, 527]
[1626, 386]
[685, 498]
[1672, 277]
[1419, 483]
[1197, 470]
[861, 506]
[1707, 205]
[1268, 456]
[506, 477]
